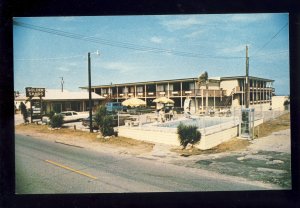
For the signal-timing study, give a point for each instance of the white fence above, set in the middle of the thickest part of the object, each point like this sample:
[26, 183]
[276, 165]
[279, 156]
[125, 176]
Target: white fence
[214, 130]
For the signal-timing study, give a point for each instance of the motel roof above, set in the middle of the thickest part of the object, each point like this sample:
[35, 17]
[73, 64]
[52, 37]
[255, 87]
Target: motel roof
[54, 94]
[212, 79]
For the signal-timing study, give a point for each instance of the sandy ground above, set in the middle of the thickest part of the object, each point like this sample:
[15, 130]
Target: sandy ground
[266, 159]
[278, 141]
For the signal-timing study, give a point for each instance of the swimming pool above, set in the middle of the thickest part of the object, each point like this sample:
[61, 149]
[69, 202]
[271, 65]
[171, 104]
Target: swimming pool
[201, 122]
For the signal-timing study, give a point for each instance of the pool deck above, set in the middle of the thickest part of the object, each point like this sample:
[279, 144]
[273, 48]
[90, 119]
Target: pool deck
[211, 136]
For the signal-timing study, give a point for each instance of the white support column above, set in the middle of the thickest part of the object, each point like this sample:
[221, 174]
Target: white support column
[134, 90]
[145, 91]
[214, 99]
[202, 100]
[117, 94]
[196, 100]
[181, 95]
[242, 97]
[264, 90]
[168, 90]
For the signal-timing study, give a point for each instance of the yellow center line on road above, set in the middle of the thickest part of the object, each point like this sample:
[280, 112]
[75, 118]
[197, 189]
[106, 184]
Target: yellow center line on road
[71, 169]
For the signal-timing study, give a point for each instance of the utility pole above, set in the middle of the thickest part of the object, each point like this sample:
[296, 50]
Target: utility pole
[247, 94]
[90, 92]
[62, 83]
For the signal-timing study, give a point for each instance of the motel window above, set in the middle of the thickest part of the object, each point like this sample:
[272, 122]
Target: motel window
[103, 91]
[192, 86]
[185, 86]
[176, 86]
[131, 89]
[160, 88]
[140, 89]
[150, 88]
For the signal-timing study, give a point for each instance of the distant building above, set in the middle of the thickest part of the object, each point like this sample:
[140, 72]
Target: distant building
[223, 92]
[279, 101]
[57, 101]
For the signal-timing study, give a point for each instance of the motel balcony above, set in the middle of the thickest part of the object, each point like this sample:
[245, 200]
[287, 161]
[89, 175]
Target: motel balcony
[170, 93]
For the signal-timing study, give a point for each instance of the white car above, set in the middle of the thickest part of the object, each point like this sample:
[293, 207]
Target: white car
[73, 116]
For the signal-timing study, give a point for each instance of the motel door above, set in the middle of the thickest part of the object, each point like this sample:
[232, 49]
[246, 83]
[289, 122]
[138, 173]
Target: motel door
[57, 107]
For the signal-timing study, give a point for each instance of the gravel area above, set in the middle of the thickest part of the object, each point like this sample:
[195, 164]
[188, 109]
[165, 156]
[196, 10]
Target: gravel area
[278, 141]
[266, 159]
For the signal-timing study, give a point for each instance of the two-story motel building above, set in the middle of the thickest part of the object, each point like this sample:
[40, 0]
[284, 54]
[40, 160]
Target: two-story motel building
[221, 91]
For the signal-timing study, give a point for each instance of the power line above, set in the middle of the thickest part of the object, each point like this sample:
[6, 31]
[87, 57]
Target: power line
[120, 44]
[271, 39]
[48, 59]
[275, 53]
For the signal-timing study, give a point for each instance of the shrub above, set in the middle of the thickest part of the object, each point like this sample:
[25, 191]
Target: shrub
[24, 112]
[104, 121]
[107, 126]
[100, 114]
[57, 121]
[188, 134]
[51, 114]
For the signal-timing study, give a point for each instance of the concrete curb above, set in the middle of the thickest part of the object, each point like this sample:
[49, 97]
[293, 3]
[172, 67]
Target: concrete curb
[73, 145]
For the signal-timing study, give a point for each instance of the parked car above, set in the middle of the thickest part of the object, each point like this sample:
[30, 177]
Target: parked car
[70, 116]
[86, 122]
[115, 106]
[122, 118]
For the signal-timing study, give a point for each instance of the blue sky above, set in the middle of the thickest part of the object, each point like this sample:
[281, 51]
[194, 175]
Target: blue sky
[162, 47]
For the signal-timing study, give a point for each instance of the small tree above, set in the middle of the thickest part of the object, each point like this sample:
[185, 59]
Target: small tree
[104, 121]
[286, 103]
[24, 112]
[50, 114]
[57, 121]
[203, 80]
[100, 114]
[107, 126]
[188, 134]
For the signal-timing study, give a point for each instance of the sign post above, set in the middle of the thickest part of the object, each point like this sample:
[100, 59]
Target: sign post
[36, 105]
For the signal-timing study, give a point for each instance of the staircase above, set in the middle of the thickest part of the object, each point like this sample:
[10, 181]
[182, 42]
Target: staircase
[227, 100]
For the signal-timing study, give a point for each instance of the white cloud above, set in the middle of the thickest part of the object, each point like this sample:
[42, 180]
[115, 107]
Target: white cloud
[66, 19]
[119, 66]
[249, 17]
[235, 49]
[62, 68]
[181, 23]
[194, 34]
[155, 39]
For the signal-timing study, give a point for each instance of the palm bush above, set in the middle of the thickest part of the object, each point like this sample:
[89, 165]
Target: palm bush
[104, 121]
[188, 134]
[57, 121]
[107, 126]
[24, 112]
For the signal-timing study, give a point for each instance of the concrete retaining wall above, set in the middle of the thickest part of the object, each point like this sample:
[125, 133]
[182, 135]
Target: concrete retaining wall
[171, 138]
[212, 140]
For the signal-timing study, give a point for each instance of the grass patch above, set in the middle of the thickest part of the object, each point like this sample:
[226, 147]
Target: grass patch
[231, 145]
[45, 131]
[280, 123]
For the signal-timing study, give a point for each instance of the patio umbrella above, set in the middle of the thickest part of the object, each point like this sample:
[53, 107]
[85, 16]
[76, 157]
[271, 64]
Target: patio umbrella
[163, 100]
[133, 102]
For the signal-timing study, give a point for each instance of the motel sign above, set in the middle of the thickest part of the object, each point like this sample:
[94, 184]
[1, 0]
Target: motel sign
[35, 92]
[35, 105]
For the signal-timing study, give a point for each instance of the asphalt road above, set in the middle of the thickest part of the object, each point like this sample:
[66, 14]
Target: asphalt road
[46, 167]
